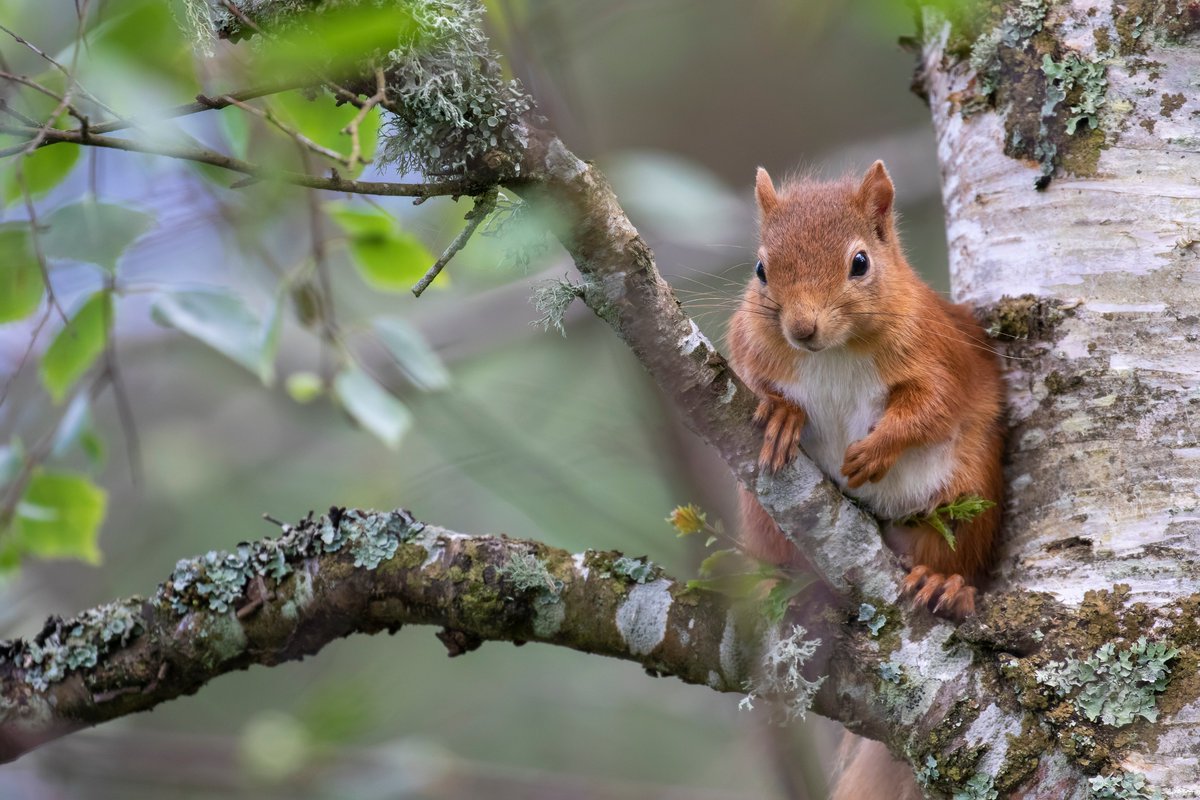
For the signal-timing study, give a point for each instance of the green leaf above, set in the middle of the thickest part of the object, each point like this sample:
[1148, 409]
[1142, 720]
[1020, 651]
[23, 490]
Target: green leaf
[223, 322]
[43, 169]
[77, 429]
[372, 406]
[323, 120]
[21, 285]
[59, 516]
[95, 233]
[388, 258]
[416, 359]
[739, 585]
[776, 603]
[77, 346]
[12, 458]
[338, 38]
[304, 387]
[719, 559]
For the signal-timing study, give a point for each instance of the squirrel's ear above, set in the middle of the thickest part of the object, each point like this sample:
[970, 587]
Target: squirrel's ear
[764, 190]
[876, 195]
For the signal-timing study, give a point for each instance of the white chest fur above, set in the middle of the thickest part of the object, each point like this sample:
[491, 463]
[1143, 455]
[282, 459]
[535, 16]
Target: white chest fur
[844, 397]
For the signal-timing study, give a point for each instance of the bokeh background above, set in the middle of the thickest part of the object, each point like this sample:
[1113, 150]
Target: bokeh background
[560, 439]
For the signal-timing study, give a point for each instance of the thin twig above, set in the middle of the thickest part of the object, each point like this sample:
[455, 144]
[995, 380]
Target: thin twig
[299, 137]
[68, 73]
[133, 447]
[203, 103]
[334, 182]
[36, 240]
[380, 96]
[484, 204]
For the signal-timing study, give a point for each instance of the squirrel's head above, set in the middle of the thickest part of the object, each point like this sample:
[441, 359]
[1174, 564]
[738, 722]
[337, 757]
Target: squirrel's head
[826, 254]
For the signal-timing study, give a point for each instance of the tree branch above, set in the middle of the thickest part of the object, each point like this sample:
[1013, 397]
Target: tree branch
[333, 183]
[277, 600]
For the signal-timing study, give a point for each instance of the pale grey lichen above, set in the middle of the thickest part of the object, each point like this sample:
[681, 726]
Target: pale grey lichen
[1122, 786]
[552, 299]
[1075, 72]
[1020, 22]
[1113, 686]
[781, 677]
[217, 580]
[526, 572]
[928, 772]
[978, 787]
[454, 110]
[635, 570]
[875, 620]
[891, 671]
[78, 643]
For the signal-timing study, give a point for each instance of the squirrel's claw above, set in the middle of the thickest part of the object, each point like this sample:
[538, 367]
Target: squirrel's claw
[866, 462]
[784, 422]
[948, 596]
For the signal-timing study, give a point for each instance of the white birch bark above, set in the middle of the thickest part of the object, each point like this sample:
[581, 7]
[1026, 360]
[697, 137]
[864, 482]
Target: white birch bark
[1104, 468]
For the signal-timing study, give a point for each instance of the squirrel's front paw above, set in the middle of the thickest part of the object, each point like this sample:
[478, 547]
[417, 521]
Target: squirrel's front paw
[866, 461]
[784, 422]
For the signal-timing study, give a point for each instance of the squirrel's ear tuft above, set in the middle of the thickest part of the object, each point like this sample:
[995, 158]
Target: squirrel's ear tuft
[764, 190]
[876, 196]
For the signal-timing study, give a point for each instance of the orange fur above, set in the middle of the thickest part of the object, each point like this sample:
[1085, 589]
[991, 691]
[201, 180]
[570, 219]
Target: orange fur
[942, 379]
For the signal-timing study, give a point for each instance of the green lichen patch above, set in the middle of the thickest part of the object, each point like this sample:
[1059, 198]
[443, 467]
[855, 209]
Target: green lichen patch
[635, 570]
[1140, 22]
[1024, 752]
[1122, 786]
[979, 786]
[78, 643]
[1113, 686]
[217, 580]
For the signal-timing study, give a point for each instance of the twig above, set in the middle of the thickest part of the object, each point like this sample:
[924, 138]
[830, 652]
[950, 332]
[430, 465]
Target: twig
[133, 447]
[299, 137]
[68, 73]
[203, 103]
[484, 204]
[380, 96]
[36, 240]
[334, 182]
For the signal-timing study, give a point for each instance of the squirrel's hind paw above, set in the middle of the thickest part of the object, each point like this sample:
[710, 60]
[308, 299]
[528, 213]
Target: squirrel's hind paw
[784, 422]
[947, 596]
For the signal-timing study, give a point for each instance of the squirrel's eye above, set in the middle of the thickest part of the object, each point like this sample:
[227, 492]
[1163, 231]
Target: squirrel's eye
[859, 264]
[761, 272]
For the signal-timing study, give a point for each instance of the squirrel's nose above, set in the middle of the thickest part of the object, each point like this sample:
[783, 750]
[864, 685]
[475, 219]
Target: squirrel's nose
[803, 330]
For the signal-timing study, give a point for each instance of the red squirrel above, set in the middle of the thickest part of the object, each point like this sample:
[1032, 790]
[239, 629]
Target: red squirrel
[890, 388]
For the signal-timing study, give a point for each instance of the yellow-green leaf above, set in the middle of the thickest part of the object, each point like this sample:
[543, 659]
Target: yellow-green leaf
[304, 387]
[59, 516]
[21, 285]
[77, 346]
[388, 258]
[42, 170]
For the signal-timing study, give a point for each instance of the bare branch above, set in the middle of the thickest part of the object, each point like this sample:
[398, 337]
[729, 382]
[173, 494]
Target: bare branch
[334, 182]
[484, 204]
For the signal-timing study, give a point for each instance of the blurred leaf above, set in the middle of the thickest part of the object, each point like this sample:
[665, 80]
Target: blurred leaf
[43, 169]
[223, 322]
[678, 198]
[372, 406]
[719, 560]
[12, 456]
[322, 120]
[92, 232]
[144, 35]
[77, 428]
[335, 39]
[59, 516]
[236, 127]
[416, 359]
[274, 746]
[304, 387]
[21, 285]
[77, 345]
[738, 586]
[388, 258]
[776, 603]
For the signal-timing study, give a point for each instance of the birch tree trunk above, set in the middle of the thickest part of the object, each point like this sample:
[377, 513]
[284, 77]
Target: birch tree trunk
[1095, 275]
